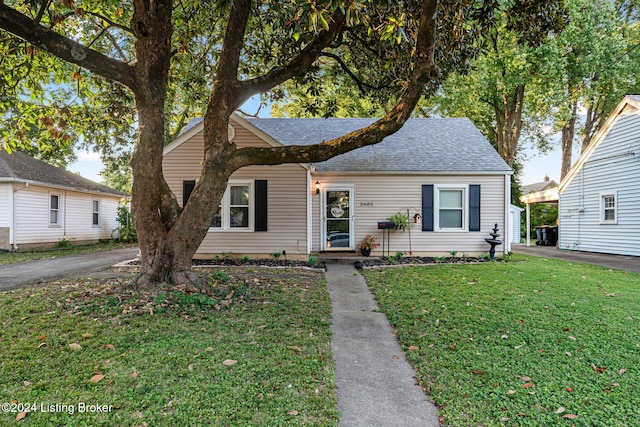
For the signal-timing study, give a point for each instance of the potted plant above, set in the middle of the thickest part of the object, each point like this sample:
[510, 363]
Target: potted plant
[368, 243]
[401, 221]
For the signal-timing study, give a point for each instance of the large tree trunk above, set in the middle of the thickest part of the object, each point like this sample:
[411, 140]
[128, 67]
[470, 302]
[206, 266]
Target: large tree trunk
[568, 132]
[155, 210]
[595, 118]
[509, 122]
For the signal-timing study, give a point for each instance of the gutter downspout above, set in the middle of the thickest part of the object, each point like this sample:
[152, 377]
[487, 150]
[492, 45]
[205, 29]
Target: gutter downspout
[507, 203]
[309, 212]
[12, 235]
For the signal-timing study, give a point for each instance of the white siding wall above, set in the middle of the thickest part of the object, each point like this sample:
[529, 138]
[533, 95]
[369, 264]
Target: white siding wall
[286, 195]
[611, 167]
[75, 216]
[5, 204]
[6, 207]
[379, 197]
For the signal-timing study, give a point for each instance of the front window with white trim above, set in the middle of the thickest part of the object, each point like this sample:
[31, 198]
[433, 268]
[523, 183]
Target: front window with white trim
[451, 208]
[236, 208]
[609, 207]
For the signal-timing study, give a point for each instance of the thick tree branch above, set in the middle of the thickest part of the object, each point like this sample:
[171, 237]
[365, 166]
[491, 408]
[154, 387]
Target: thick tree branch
[64, 48]
[424, 69]
[297, 66]
[233, 40]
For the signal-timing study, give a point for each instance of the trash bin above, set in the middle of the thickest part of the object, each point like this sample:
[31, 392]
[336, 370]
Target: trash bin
[546, 235]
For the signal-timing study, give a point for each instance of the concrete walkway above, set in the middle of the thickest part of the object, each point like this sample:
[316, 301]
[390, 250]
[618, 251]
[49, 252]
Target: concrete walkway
[376, 385]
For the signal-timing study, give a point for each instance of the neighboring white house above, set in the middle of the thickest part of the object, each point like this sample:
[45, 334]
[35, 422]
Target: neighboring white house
[448, 177]
[40, 205]
[599, 207]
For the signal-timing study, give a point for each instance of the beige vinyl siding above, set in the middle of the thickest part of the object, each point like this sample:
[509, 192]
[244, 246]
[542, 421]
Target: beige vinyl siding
[286, 199]
[614, 166]
[75, 216]
[377, 197]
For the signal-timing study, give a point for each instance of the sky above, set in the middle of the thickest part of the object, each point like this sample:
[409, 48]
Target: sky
[536, 166]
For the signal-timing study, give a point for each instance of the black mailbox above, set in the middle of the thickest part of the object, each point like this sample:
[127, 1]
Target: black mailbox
[383, 225]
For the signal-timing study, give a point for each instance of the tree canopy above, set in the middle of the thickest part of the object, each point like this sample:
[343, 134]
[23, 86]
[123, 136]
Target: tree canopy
[95, 68]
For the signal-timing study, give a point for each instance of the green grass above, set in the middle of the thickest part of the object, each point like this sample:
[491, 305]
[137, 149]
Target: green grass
[531, 343]
[11, 257]
[163, 355]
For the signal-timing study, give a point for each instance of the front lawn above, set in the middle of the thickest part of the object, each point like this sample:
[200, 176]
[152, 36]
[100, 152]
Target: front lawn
[538, 342]
[254, 348]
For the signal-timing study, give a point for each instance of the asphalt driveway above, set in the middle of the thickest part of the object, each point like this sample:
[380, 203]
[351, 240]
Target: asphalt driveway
[20, 274]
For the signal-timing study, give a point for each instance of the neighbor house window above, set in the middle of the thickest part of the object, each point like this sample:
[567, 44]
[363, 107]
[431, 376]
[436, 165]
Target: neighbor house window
[609, 208]
[450, 209]
[95, 207]
[236, 207]
[54, 209]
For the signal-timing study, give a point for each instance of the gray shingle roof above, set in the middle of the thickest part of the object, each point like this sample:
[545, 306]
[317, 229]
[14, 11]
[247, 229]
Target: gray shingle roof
[22, 167]
[538, 186]
[422, 145]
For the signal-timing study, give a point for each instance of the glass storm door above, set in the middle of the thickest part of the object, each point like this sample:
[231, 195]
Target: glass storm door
[338, 216]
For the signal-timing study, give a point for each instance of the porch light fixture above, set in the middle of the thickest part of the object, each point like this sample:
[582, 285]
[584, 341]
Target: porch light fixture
[317, 187]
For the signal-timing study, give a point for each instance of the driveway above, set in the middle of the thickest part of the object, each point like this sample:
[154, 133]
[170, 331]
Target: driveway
[20, 274]
[619, 262]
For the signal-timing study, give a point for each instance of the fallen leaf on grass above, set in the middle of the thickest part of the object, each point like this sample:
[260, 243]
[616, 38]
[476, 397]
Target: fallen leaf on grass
[20, 416]
[294, 413]
[229, 362]
[571, 337]
[42, 344]
[96, 378]
[622, 371]
[42, 337]
[525, 379]
[570, 416]
[528, 385]
[87, 336]
[26, 383]
[294, 348]
[109, 346]
[134, 375]
[569, 389]
[413, 347]
[560, 410]
[511, 392]
[568, 353]
[476, 371]
[209, 348]
[190, 367]
[75, 346]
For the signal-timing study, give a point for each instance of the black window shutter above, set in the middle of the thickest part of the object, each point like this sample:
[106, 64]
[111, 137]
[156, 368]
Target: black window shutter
[474, 207]
[260, 194]
[187, 188]
[427, 207]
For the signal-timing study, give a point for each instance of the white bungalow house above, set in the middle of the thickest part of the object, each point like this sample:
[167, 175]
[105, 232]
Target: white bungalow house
[599, 206]
[40, 205]
[442, 172]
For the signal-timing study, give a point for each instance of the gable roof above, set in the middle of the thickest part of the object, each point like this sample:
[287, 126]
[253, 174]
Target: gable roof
[20, 167]
[421, 145]
[628, 101]
[539, 186]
